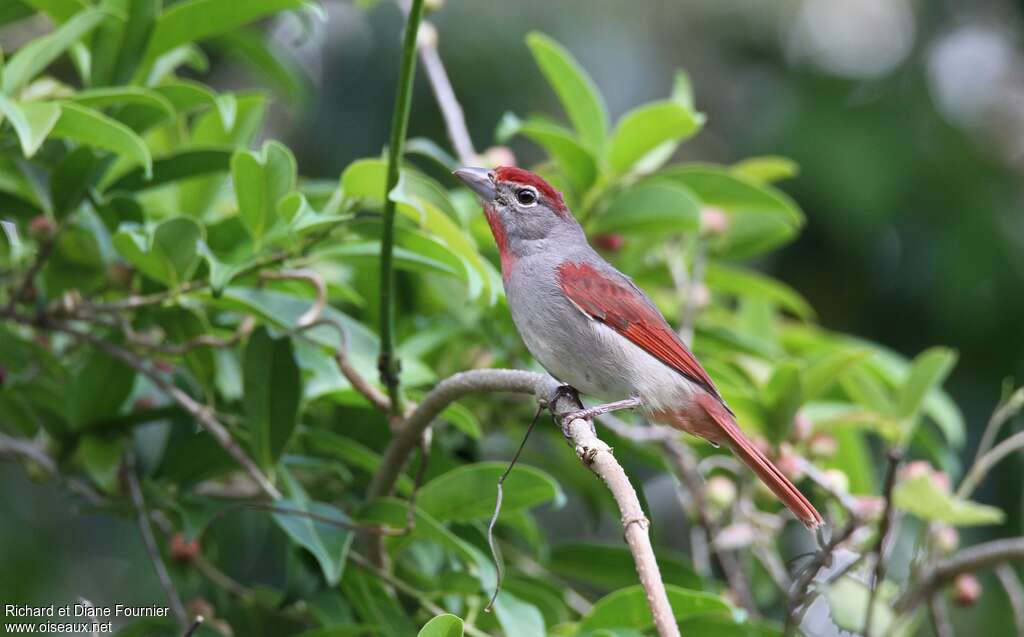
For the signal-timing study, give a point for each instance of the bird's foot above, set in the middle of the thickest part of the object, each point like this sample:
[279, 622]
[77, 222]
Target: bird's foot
[597, 410]
[564, 391]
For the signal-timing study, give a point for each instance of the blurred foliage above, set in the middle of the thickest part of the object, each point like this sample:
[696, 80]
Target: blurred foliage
[164, 224]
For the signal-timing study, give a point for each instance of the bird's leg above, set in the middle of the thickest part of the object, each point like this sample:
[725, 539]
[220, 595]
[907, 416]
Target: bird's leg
[597, 410]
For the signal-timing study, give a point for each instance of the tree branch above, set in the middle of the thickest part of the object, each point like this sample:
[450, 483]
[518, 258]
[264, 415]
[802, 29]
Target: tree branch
[1007, 576]
[142, 519]
[451, 110]
[389, 367]
[975, 558]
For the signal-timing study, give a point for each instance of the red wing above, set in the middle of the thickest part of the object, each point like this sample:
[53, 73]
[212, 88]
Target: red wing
[623, 307]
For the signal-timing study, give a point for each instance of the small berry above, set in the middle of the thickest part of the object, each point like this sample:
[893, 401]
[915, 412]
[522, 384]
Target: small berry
[966, 589]
[184, 551]
[946, 538]
[498, 156]
[713, 220]
[822, 445]
[869, 507]
[41, 228]
[720, 491]
[837, 480]
[700, 296]
[802, 426]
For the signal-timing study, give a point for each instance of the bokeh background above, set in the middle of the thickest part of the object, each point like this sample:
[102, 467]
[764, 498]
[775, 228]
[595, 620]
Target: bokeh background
[906, 118]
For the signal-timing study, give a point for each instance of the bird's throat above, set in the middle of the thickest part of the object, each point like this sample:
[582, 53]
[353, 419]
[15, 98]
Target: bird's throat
[501, 238]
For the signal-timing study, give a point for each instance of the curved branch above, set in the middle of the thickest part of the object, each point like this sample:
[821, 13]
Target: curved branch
[476, 381]
[975, 558]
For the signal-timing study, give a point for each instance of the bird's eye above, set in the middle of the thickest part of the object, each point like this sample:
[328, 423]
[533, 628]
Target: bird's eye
[526, 197]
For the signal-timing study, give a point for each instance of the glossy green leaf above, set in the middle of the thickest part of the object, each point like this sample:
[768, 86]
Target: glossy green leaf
[442, 626]
[101, 457]
[375, 604]
[98, 389]
[351, 453]
[168, 254]
[98, 98]
[329, 543]
[628, 608]
[35, 56]
[922, 497]
[195, 20]
[570, 155]
[263, 57]
[60, 10]
[928, 371]
[187, 96]
[518, 617]
[272, 389]
[576, 91]
[647, 127]
[32, 121]
[468, 492]
[783, 395]
[655, 208]
[740, 282]
[767, 169]
[575, 560]
[261, 180]
[820, 374]
[866, 389]
[93, 128]
[178, 166]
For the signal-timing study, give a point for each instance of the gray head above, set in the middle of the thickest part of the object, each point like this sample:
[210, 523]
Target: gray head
[523, 210]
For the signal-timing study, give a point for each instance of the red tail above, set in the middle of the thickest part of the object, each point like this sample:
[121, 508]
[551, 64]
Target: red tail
[758, 463]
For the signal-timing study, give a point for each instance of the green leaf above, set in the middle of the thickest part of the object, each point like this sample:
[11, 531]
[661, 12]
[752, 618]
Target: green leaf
[98, 389]
[517, 617]
[101, 457]
[352, 454]
[463, 419]
[576, 560]
[265, 58]
[261, 180]
[375, 604]
[469, 492]
[195, 20]
[70, 179]
[767, 169]
[864, 388]
[168, 255]
[93, 128]
[35, 56]
[272, 388]
[628, 608]
[653, 208]
[761, 216]
[922, 497]
[442, 626]
[928, 371]
[819, 375]
[783, 395]
[572, 158]
[98, 98]
[32, 121]
[741, 283]
[329, 543]
[647, 127]
[59, 10]
[575, 90]
[187, 96]
[849, 598]
[177, 166]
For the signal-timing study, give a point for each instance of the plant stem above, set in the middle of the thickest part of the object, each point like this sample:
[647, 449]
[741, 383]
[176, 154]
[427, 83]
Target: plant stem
[389, 367]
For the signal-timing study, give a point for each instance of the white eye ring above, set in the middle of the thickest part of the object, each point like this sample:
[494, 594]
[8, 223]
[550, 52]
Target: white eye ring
[527, 197]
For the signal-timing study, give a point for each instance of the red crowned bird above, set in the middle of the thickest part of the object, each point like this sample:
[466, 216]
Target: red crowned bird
[591, 327]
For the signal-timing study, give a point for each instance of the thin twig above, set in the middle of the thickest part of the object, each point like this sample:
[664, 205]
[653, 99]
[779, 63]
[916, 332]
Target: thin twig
[895, 457]
[37, 265]
[451, 110]
[142, 519]
[1007, 575]
[374, 396]
[307, 276]
[940, 617]
[986, 462]
[821, 559]
[999, 417]
[817, 476]
[974, 558]
[204, 415]
[388, 364]
[497, 509]
[196, 623]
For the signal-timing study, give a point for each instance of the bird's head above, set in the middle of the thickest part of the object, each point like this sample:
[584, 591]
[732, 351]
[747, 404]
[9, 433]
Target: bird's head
[523, 210]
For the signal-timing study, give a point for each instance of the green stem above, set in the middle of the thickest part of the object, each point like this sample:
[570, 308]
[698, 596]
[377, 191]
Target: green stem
[388, 364]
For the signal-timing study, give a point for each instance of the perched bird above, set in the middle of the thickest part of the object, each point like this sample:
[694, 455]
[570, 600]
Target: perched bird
[592, 328]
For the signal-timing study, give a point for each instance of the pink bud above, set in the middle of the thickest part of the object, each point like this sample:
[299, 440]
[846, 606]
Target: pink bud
[700, 295]
[498, 156]
[713, 220]
[946, 539]
[837, 480]
[790, 463]
[916, 469]
[802, 426]
[184, 551]
[822, 445]
[720, 491]
[869, 507]
[41, 228]
[966, 589]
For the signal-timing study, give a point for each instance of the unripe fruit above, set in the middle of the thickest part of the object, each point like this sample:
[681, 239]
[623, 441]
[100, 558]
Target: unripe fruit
[700, 296]
[433, 5]
[789, 463]
[427, 36]
[822, 445]
[946, 538]
[837, 480]
[802, 426]
[869, 507]
[184, 551]
[966, 589]
[720, 492]
[611, 242]
[41, 228]
[498, 156]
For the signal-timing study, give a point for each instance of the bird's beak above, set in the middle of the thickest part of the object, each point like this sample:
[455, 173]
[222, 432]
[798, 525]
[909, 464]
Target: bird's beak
[480, 181]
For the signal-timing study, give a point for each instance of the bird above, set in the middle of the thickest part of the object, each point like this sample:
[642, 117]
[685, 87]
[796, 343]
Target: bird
[595, 330]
